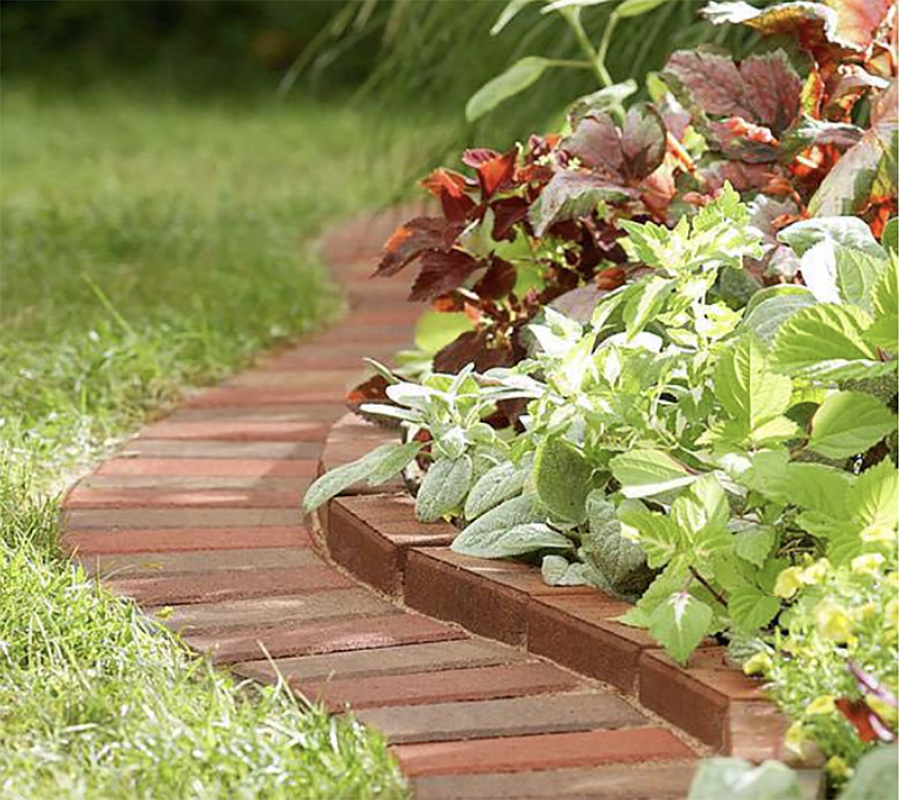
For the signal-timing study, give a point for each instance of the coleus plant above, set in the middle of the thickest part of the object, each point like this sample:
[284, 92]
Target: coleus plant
[678, 451]
[544, 219]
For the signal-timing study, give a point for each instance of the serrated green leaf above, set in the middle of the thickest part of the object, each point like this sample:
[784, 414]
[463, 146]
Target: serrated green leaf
[646, 303]
[754, 544]
[751, 609]
[382, 464]
[511, 542]
[679, 625]
[857, 274]
[659, 536]
[497, 485]
[884, 300]
[643, 473]
[766, 318]
[826, 341]
[747, 388]
[873, 502]
[562, 478]
[517, 78]
[848, 423]
[444, 488]
[848, 231]
[890, 236]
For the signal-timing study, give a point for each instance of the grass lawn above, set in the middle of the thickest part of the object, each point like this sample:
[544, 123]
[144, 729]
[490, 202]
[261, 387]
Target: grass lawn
[149, 243]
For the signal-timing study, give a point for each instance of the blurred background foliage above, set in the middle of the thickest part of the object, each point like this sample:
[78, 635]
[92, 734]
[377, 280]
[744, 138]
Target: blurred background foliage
[424, 57]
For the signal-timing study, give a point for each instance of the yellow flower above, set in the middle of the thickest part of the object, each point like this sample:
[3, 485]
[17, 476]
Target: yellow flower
[758, 664]
[795, 738]
[834, 623]
[837, 768]
[817, 573]
[821, 705]
[868, 562]
[788, 582]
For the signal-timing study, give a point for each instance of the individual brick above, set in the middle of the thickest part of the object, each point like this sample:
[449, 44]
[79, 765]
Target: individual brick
[446, 686]
[88, 498]
[237, 431]
[282, 611]
[198, 449]
[369, 536]
[578, 632]
[210, 467]
[546, 751]
[516, 716]
[163, 563]
[227, 585]
[326, 412]
[148, 540]
[179, 518]
[655, 781]
[426, 657]
[196, 482]
[489, 597]
[327, 636]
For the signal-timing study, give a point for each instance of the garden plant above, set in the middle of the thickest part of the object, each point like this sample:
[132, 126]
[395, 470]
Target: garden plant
[670, 364]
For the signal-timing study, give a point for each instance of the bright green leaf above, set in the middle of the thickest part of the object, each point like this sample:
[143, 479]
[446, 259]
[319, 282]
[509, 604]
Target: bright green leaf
[848, 423]
[516, 79]
[747, 388]
[562, 478]
[751, 609]
[643, 473]
[444, 488]
[679, 625]
[754, 544]
[511, 542]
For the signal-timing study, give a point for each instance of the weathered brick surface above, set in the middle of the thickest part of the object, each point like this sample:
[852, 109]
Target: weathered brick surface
[427, 657]
[285, 611]
[198, 449]
[548, 751]
[169, 563]
[515, 716]
[195, 482]
[326, 412]
[86, 497]
[227, 585]
[211, 467]
[145, 540]
[328, 636]
[237, 431]
[260, 398]
[659, 781]
[439, 687]
[179, 517]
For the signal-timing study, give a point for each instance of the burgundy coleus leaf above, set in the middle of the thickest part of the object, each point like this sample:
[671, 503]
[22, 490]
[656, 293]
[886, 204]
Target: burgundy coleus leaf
[764, 90]
[744, 141]
[508, 212]
[807, 132]
[495, 171]
[476, 156]
[572, 193]
[450, 188]
[623, 156]
[498, 281]
[442, 271]
[412, 239]
[858, 20]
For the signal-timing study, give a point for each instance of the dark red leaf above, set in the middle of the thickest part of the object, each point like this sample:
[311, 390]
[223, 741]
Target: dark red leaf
[409, 241]
[496, 174]
[622, 156]
[498, 281]
[610, 278]
[744, 141]
[572, 193]
[869, 726]
[442, 271]
[764, 89]
[477, 156]
[473, 347]
[371, 391]
[508, 212]
[450, 189]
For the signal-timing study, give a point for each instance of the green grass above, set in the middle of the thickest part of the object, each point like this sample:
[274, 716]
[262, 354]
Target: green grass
[150, 243]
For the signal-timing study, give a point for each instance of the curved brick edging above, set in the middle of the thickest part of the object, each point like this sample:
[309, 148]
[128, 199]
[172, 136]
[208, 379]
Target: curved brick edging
[198, 514]
[377, 538]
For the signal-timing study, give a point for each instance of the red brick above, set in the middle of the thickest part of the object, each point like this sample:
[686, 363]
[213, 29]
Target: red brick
[296, 379]
[115, 518]
[194, 482]
[209, 587]
[549, 751]
[489, 597]
[199, 449]
[228, 396]
[328, 636]
[128, 565]
[447, 686]
[365, 335]
[669, 780]
[209, 467]
[82, 497]
[143, 540]
[237, 431]
[335, 356]
[577, 631]
[269, 413]
[512, 716]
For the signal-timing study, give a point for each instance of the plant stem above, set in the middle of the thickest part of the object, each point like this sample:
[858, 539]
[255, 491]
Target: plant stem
[603, 49]
[709, 587]
[587, 47]
[563, 62]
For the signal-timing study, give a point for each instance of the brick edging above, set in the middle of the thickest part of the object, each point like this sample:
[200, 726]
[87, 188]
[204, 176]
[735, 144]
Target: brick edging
[375, 536]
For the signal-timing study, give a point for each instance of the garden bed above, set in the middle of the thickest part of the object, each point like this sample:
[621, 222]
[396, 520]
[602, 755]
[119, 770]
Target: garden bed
[374, 534]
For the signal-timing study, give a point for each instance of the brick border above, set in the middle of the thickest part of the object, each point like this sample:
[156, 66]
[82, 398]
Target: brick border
[376, 537]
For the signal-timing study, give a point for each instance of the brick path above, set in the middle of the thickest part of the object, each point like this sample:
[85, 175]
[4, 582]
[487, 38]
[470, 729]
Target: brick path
[199, 514]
